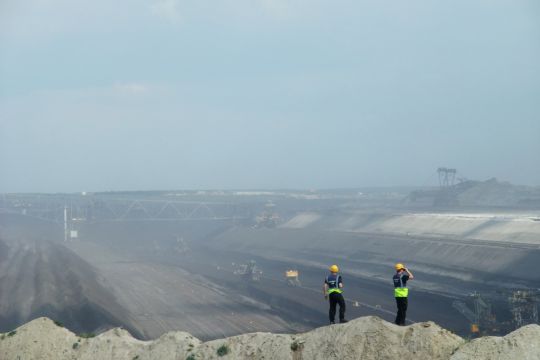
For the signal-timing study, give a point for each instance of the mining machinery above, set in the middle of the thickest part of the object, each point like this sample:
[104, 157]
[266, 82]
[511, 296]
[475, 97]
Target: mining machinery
[524, 307]
[481, 317]
[249, 271]
[181, 246]
[292, 278]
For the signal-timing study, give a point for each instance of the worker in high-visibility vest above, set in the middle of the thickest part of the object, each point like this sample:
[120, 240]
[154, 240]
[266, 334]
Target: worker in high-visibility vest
[401, 292]
[333, 289]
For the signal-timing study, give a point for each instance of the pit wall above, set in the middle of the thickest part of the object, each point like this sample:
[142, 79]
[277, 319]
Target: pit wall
[504, 227]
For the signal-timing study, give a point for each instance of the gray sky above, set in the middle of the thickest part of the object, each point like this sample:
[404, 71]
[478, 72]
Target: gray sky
[168, 94]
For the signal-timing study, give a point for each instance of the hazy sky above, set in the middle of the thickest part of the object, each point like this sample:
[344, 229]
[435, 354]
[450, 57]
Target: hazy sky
[170, 94]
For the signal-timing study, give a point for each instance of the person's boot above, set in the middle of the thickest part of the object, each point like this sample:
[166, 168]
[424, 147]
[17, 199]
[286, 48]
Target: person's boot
[342, 321]
[332, 322]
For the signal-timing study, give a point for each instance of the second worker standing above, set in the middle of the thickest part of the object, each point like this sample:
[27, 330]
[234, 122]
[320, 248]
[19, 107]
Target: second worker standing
[333, 289]
[401, 292]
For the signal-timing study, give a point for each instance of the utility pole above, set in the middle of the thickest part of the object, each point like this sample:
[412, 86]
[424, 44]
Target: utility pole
[65, 224]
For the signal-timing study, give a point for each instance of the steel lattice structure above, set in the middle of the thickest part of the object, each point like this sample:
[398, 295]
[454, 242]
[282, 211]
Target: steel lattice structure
[107, 208]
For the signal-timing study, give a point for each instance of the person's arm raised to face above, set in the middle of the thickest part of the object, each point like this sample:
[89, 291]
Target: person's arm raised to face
[411, 276]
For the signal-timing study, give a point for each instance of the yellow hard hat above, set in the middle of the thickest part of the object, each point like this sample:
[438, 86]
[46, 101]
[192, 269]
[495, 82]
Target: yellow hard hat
[400, 266]
[334, 268]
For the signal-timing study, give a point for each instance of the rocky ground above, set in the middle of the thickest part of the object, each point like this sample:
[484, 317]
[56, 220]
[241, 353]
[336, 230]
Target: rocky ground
[364, 338]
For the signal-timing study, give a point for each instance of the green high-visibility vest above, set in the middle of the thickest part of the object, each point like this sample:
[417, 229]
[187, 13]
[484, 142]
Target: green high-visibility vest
[334, 290]
[401, 292]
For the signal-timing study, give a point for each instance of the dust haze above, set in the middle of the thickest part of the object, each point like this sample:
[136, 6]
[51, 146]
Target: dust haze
[172, 166]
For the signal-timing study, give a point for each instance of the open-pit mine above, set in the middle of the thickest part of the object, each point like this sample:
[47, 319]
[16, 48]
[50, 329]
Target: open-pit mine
[217, 263]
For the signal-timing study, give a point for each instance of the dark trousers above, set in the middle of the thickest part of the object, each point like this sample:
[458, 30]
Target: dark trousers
[336, 298]
[401, 310]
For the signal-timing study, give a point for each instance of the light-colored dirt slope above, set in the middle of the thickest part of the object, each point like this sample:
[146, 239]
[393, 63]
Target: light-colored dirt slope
[366, 338]
[522, 344]
[510, 227]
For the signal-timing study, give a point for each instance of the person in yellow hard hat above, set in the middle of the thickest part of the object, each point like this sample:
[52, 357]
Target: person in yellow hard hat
[401, 292]
[333, 289]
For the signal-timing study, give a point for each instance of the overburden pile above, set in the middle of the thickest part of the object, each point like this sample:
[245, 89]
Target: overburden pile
[366, 338]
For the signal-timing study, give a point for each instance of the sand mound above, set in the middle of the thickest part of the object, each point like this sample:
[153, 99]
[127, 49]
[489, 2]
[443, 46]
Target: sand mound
[366, 338]
[522, 344]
